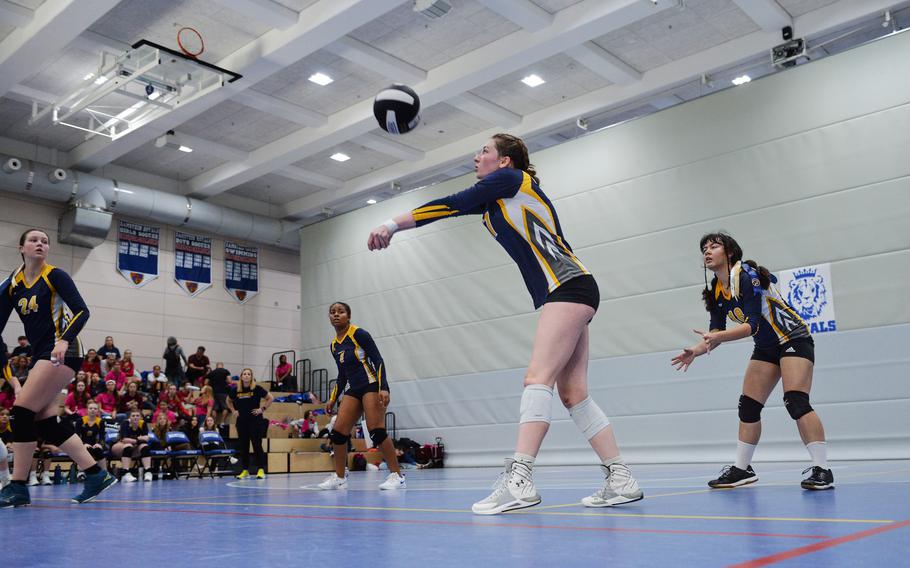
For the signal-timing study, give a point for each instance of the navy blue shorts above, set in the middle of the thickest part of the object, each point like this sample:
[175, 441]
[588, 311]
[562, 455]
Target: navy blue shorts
[803, 347]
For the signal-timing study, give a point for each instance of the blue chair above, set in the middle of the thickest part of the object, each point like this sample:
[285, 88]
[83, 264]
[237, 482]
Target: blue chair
[178, 438]
[214, 450]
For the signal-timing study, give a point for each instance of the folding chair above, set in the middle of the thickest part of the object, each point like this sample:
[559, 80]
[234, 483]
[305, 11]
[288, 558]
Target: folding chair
[214, 449]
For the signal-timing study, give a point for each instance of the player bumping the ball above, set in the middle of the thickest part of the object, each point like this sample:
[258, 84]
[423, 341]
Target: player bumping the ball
[523, 221]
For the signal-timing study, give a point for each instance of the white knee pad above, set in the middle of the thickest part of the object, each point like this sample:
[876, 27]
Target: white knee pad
[536, 404]
[589, 418]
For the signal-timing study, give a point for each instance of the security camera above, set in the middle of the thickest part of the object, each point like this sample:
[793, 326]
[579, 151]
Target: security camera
[581, 123]
[787, 54]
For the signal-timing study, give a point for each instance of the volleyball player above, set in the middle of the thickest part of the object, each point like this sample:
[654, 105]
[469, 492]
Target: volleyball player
[362, 370]
[39, 291]
[747, 295]
[522, 219]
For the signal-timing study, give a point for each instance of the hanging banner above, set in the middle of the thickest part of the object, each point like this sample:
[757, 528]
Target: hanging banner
[137, 252]
[192, 262]
[241, 271]
[809, 290]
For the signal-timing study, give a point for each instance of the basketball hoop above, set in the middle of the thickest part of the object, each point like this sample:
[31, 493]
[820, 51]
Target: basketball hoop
[189, 40]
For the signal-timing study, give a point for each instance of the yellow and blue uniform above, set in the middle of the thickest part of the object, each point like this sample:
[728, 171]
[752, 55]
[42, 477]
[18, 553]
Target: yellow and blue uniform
[50, 308]
[5, 371]
[360, 366]
[522, 220]
[773, 321]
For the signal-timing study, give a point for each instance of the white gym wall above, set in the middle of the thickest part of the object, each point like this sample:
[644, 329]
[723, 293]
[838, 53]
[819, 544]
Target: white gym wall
[803, 167]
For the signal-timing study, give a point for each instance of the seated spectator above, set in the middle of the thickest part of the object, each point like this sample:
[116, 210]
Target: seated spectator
[155, 376]
[191, 429]
[23, 348]
[155, 391]
[132, 444]
[6, 446]
[163, 410]
[91, 431]
[209, 426]
[76, 403]
[107, 364]
[306, 427]
[109, 399]
[282, 382]
[127, 365]
[131, 399]
[95, 385]
[118, 376]
[108, 348]
[7, 394]
[91, 363]
[80, 376]
[19, 367]
[204, 403]
[197, 366]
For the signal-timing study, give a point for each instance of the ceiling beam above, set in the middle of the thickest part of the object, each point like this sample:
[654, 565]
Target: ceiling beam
[766, 13]
[265, 11]
[574, 25]
[825, 20]
[385, 145]
[318, 25]
[53, 27]
[14, 14]
[280, 108]
[604, 63]
[309, 177]
[377, 61]
[524, 13]
[485, 110]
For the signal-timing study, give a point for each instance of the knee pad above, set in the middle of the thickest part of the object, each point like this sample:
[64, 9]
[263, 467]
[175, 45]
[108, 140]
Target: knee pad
[127, 451]
[536, 404]
[749, 409]
[589, 418]
[54, 431]
[378, 436]
[797, 403]
[24, 430]
[96, 453]
[338, 438]
[145, 452]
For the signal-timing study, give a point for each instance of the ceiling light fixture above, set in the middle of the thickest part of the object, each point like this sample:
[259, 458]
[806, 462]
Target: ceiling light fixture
[186, 149]
[339, 157]
[371, 201]
[321, 79]
[533, 80]
[741, 80]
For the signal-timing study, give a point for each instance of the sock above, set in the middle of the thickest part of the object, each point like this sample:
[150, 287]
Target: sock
[93, 470]
[819, 453]
[614, 460]
[744, 454]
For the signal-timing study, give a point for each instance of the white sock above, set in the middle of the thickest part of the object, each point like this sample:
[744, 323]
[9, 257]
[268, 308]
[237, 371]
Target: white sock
[614, 460]
[819, 453]
[744, 453]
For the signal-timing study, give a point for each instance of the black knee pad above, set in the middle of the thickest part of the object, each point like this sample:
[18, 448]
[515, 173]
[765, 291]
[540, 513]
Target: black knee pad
[24, 430]
[338, 438]
[749, 409]
[53, 430]
[96, 453]
[145, 452]
[127, 451]
[378, 436]
[797, 403]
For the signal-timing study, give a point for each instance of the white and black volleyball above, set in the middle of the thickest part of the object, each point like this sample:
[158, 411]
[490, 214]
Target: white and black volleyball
[397, 109]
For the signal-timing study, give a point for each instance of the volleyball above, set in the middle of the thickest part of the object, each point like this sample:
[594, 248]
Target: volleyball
[397, 109]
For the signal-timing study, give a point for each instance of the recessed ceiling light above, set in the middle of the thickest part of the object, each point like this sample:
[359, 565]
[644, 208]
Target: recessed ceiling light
[371, 201]
[533, 80]
[339, 157]
[741, 80]
[186, 149]
[89, 76]
[100, 80]
[321, 79]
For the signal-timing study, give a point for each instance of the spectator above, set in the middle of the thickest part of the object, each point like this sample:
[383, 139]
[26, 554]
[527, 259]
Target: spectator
[191, 429]
[174, 360]
[80, 376]
[23, 348]
[306, 427]
[92, 363]
[108, 348]
[156, 376]
[127, 365]
[95, 385]
[118, 376]
[168, 415]
[19, 367]
[6, 446]
[204, 403]
[219, 380]
[131, 399]
[156, 389]
[7, 395]
[133, 443]
[107, 364]
[197, 366]
[91, 432]
[76, 404]
[109, 399]
[282, 382]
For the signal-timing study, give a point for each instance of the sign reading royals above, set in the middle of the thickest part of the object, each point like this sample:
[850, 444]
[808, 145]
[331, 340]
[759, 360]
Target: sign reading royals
[241, 271]
[192, 262]
[810, 292]
[137, 252]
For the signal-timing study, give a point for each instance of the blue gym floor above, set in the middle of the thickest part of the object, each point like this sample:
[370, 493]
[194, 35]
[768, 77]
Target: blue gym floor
[865, 521]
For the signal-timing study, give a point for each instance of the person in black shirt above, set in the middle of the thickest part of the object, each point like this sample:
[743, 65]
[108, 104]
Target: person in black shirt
[23, 348]
[91, 430]
[219, 380]
[197, 366]
[108, 348]
[245, 403]
[133, 443]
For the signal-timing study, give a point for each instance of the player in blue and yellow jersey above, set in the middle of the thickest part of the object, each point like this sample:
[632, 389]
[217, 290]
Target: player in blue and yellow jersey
[362, 381]
[53, 313]
[523, 220]
[747, 295]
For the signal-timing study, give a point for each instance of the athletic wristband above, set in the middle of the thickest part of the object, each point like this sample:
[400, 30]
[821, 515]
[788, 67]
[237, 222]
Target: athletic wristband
[392, 226]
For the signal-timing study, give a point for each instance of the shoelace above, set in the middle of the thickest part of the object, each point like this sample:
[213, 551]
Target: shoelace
[619, 476]
[726, 471]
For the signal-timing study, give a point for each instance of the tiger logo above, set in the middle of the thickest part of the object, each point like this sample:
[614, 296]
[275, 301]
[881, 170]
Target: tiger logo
[808, 294]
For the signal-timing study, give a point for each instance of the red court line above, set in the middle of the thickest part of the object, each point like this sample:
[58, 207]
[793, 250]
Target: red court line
[436, 522]
[810, 548]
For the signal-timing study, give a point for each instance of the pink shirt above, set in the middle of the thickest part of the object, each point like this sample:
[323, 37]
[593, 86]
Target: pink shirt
[7, 400]
[107, 401]
[77, 405]
[282, 371]
[120, 378]
[171, 418]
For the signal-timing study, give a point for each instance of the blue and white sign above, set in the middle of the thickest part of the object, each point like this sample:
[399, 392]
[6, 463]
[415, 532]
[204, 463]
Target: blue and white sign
[192, 262]
[241, 271]
[810, 291]
[137, 252]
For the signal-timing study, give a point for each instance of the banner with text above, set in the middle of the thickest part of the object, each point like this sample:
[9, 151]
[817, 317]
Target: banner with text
[192, 262]
[810, 291]
[137, 252]
[241, 271]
